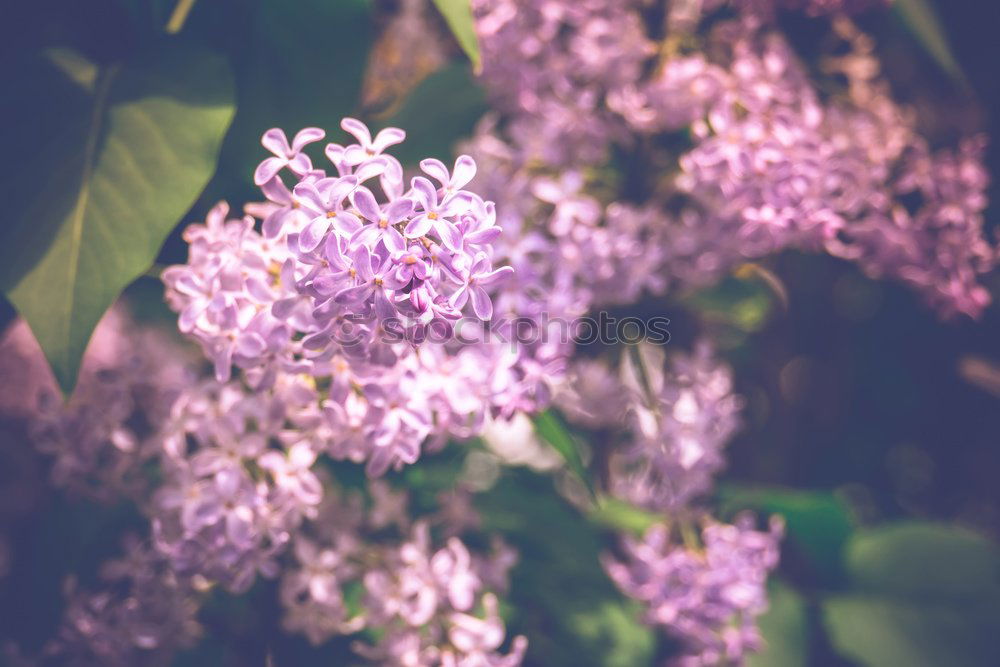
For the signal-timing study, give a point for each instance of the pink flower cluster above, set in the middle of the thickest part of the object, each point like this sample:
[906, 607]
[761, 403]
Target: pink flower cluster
[433, 605]
[708, 595]
[766, 161]
[670, 422]
[101, 440]
[362, 296]
[142, 615]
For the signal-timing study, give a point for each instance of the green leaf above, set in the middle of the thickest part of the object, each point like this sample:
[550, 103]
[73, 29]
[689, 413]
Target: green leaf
[920, 17]
[432, 128]
[785, 629]
[612, 625]
[458, 15]
[619, 515]
[921, 594]
[560, 596]
[819, 523]
[881, 632]
[744, 303]
[104, 182]
[552, 430]
[925, 560]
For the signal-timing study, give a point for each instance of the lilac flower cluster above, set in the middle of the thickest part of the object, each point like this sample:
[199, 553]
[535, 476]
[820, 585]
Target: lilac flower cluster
[551, 63]
[237, 478]
[355, 293]
[239, 489]
[422, 599]
[326, 312]
[771, 163]
[708, 595]
[570, 256]
[672, 422]
[99, 442]
[142, 615]
[776, 167]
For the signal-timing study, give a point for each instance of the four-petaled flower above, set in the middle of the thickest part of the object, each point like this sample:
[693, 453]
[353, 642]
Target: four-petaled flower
[356, 154]
[285, 155]
[480, 275]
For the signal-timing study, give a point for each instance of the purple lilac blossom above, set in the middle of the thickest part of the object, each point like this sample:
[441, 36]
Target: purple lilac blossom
[774, 164]
[144, 613]
[673, 420]
[101, 439]
[237, 478]
[423, 598]
[707, 595]
[359, 292]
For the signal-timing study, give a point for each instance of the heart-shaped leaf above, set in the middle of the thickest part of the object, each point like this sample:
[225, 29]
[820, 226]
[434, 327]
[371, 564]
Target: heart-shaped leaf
[105, 180]
[921, 594]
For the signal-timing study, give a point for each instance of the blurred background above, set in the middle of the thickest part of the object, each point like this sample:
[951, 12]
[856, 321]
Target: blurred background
[855, 390]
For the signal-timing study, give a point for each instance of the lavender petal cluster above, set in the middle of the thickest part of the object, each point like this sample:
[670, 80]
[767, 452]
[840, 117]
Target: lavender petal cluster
[360, 282]
[238, 479]
[669, 422]
[433, 604]
[101, 441]
[709, 594]
[672, 421]
[142, 614]
[770, 162]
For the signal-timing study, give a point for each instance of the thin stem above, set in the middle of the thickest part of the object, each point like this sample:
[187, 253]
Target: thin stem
[177, 19]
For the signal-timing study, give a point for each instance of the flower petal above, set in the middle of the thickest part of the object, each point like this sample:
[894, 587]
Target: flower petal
[458, 204]
[307, 136]
[346, 223]
[418, 226]
[355, 294]
[355, 155]
[494, 277]
[250, 345]
[358, 129]
[300, 164]
[436, 170]
[425, 193]
[275, 141]
[334, 190]
[222, 360]
[313, 234]
[383, 308]
[481, 303]
[310, 198]
[459, 298]
[365, 202]
[393, 240]
[465, 171]
[268, 169]
[390, 136]
[370, 169]
[363, 263]
[366, 236]
[450, 235]
[484, 236]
